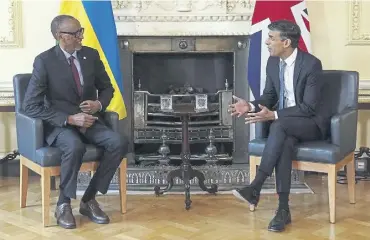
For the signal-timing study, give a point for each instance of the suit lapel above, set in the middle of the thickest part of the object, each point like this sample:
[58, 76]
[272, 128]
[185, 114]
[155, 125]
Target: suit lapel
[61, 57]
[65, 64]
[297, 69]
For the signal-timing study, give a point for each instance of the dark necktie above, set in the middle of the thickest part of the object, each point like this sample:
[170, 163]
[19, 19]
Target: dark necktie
[76, 76]
[282, 84]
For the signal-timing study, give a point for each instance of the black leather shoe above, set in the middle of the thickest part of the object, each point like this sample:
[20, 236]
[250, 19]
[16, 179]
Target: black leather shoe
[92, 210]
[64, 216]
[247, 194]
[281, 219]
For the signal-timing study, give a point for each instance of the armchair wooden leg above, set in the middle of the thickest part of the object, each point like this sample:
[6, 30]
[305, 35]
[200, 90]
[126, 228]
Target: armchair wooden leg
[332, 181]
[45, 190]
[351, 179]
[252, 175]
[252, 168]
[23, 183]
[122, 185]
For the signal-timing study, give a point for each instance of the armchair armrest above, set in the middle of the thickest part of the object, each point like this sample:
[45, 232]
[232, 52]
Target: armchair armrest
[343, 130]
[30, 135]
[111, 118]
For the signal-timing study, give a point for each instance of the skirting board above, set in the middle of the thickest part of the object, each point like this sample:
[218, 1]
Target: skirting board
[268, 190]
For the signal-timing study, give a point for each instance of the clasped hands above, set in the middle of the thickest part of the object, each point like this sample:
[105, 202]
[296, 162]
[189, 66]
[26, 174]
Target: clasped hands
[241, 107]
[85, 119]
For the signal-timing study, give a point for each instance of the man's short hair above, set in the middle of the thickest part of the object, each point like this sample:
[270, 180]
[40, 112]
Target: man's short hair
[288, 30]
[57, 22]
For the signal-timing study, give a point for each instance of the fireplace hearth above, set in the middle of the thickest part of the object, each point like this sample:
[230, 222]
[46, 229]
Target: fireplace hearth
[160, 73]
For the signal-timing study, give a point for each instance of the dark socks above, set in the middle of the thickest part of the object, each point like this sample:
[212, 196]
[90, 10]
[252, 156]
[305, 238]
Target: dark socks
[284, 201]
[89, 193]
[259, 180]
[63, 199]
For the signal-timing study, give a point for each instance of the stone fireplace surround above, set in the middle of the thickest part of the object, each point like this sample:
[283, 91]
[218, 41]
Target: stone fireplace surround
[213, 24]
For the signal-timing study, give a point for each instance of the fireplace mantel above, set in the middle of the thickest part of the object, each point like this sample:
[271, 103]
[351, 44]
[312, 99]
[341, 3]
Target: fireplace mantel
[183, 17]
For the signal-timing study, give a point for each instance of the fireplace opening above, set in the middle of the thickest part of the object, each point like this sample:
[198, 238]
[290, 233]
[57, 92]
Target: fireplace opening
[177, 72]
[183, 75]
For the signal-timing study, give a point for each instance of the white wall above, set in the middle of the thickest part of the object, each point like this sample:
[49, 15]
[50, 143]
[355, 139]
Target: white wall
[36, 16]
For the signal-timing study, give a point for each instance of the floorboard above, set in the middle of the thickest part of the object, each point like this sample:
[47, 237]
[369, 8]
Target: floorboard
[211, 217]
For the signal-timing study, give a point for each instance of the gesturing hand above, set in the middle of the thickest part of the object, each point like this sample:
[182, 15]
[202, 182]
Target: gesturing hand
[82, 120]
[239, 108]
[264, 115]
[89, 106]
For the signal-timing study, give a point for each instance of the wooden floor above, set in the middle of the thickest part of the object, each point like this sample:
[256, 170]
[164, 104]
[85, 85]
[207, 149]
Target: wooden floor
[211, 217]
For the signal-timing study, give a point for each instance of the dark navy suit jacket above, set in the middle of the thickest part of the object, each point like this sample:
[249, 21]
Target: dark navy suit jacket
[52, 93]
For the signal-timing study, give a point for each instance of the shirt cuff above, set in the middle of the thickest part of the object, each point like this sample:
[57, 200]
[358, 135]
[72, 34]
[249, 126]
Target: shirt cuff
[276, 115]
[253, 108]
[101, 106]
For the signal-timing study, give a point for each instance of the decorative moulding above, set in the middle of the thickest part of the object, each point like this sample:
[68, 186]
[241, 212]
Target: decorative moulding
[11, 24]
[357, 21]
[11, 30]
[6, 94]
[183, 17]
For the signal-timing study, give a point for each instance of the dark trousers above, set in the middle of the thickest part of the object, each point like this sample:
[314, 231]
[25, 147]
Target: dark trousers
[72, 144]
[279, 151]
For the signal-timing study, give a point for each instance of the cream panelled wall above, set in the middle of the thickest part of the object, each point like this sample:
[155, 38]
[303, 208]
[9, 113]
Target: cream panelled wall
[27, 34]
[339, 32]
[341, 39]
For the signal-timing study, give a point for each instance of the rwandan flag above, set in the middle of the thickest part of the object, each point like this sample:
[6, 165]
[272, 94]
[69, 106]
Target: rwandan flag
[100, 33]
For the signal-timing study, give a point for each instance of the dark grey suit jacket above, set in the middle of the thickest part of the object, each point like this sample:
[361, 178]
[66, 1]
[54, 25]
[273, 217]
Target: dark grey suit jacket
[52, 93]
[307, 84]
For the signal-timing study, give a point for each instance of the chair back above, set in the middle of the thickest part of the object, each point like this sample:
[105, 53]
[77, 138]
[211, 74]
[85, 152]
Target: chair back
[339, 93]
[20, 83]
[340, 90]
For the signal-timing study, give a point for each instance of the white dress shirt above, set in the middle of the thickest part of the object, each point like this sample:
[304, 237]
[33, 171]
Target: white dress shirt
[76, 62]
[288, 82]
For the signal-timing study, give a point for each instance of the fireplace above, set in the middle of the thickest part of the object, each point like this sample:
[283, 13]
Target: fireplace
[204, 79]
[185, 70]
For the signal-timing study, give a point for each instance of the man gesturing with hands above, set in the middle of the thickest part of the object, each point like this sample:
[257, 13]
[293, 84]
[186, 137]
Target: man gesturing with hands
[292, 101]
[68, 90]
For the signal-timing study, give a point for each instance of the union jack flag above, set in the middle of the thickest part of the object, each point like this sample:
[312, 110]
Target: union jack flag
[266, 12]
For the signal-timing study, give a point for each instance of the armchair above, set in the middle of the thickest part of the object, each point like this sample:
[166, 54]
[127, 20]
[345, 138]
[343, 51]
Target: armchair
[341, 92]
[45, 160]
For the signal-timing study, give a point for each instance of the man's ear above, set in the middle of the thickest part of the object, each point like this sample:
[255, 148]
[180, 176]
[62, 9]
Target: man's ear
[287, 43]
[58, 37]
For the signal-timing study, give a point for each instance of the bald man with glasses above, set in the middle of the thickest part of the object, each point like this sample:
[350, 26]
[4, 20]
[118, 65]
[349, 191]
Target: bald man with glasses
[63, 93]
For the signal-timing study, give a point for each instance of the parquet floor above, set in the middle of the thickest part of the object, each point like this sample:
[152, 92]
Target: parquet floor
[211, 217]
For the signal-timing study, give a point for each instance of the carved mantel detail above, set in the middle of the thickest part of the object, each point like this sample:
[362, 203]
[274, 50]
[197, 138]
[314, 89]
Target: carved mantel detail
[183, 17]
[11, 24]
[357, 35]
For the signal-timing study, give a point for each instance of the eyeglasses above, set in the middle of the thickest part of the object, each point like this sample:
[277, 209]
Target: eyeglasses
[76, 34]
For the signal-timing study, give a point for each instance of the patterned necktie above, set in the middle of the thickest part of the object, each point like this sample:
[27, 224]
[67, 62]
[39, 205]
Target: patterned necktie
[76, 76]
[282, 84]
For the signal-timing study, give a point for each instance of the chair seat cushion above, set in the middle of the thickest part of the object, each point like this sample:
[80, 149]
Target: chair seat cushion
[51, 157]
[315, 151]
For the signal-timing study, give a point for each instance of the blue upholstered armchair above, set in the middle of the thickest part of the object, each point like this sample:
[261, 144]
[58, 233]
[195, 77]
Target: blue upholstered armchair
[329, 156]
[45, 160]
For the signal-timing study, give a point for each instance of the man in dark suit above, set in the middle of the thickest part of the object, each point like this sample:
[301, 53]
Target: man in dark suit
[68, 90]
[292, 101]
